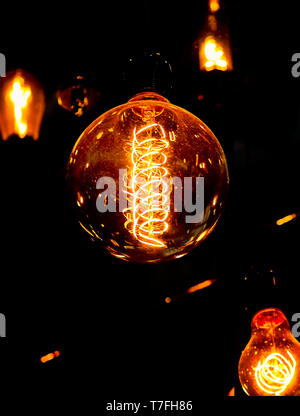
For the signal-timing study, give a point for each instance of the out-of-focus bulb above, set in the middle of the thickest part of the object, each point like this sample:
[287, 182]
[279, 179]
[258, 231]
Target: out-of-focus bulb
[214, 43]
[22, 105]
[213, 5]
[214, 55]
[270, 363]
[77, 96]
[148, 179]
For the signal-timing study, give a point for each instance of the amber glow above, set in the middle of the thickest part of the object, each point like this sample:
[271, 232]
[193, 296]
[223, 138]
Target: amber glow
[214, 55]
[19, 96]
[50, 356]
[286, 219]
[214, 5]
[214, 43]
[147, 217]
[269, 365]
[22, 105]
[231, 392]
[200, 286]
[191, 289]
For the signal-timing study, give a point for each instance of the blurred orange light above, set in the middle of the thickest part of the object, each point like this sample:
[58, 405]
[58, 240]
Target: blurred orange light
[231, 392]
[214, 5]
[50, 356]
[200, 286]
[214, 55]
[191, 289]
[286, 219]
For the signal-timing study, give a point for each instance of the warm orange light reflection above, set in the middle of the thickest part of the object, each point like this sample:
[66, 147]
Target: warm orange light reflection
[147, 215]
[214, 55]
[286, 219]
[191, 289]
[200, 286]
[270, 363]
[22, 105]
[50, 356]
[231, 392]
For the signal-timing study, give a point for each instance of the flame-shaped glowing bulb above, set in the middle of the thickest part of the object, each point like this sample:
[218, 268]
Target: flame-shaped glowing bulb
[214, 43]
[22, 105]
[129, 176]
[270, 363]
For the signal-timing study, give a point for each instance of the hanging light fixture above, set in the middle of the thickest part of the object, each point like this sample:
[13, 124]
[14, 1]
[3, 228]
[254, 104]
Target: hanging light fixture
[214, 43]
[22, 105]
[128, 178]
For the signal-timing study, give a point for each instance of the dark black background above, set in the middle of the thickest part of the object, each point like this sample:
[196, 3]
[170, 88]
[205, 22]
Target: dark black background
[118, 338]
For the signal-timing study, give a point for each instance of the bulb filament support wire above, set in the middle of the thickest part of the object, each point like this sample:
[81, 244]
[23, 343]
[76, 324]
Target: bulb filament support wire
[275, 373]
[148, 189]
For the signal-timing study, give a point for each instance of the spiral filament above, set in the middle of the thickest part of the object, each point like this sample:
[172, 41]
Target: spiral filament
[148, 189]
[275, 373]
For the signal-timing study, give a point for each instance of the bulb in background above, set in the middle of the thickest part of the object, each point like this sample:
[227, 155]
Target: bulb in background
[270, 363]
[77, 96]
[125, 173]
[214, 43]
[22, 105]
[213, 55]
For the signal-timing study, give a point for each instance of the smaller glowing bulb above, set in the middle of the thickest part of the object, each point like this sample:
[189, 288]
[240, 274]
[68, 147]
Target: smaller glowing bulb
[22, 105]
[270, 363]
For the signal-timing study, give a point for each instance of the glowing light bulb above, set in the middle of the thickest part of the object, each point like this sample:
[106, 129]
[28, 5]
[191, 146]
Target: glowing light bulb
[270, 363]
[214, 43]
[148, 180]
[22, 105]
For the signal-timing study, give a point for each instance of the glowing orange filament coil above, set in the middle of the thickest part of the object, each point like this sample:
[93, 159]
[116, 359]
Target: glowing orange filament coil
[275, 373]
[147, 213]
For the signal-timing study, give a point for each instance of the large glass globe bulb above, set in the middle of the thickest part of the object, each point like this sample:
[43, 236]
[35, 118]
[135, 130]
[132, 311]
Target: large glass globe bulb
[148, 179]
